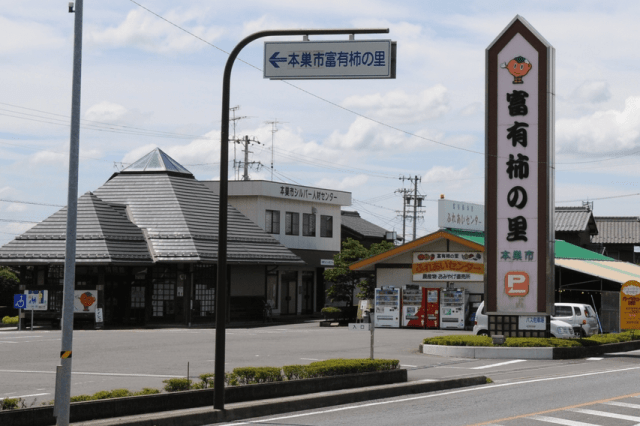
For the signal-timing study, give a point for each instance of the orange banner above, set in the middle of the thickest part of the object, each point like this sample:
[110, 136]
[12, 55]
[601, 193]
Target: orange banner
[448, 266]
[630, 306]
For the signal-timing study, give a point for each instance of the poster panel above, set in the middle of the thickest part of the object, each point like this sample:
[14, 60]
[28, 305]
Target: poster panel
[630, 306]
[85, 301]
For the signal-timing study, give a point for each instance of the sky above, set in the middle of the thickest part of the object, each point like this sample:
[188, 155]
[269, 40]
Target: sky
[152, 77]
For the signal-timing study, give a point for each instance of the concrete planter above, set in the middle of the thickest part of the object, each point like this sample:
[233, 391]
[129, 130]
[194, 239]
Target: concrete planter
[487, 352]
[120, 407]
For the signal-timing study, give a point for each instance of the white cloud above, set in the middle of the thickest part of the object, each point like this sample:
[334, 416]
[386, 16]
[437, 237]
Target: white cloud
[109, 112]
[14, 207]
[349, 183]
[399, 106]
[448, 177]
[602, 131]
[142, 30]
[20, 36]
[471, 109]
[592, 92]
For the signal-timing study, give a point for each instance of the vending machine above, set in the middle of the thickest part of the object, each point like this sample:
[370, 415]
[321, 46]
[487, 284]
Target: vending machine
[453, 308]
[431, 301]
[387, 313]
[412, 306]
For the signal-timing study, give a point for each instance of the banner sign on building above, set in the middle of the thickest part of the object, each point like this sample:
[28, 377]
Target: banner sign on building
[630, 306]
[334, 59]
[85, 301]
[448, 266]
[460, 215]
[519, 181]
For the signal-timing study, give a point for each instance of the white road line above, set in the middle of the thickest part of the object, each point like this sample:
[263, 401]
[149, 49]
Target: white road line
[606, 414]
[560, 421]
[24, 396]
[407, 365]
[427, 380]
[498, 364]
[594, 359]
[84, 373]
[6, 341]
[623, 404]
[311, 359]
[415, 398]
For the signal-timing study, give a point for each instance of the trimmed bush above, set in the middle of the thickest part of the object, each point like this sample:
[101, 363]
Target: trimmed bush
[79, 398]
[533, 342]
[10, 320]
[336, 367]
[9, 403]
[330, 310]
[177, 384]
[250, 375]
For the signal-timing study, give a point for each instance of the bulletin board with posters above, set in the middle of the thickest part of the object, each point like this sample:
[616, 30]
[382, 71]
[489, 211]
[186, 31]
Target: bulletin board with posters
[448, 266]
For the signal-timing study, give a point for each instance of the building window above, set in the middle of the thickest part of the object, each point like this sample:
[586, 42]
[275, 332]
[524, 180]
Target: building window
[326, 226]
[272, 221]
[292, 223]
[308, 225]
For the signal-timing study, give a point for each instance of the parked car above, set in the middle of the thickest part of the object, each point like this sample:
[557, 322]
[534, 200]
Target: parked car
[582, 317]
[559, 329]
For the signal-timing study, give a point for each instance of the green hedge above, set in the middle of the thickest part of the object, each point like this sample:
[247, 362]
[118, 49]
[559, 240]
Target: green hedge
[335, 367]
[330, 310]
[532, 342]
[251, 375]
[10, 320]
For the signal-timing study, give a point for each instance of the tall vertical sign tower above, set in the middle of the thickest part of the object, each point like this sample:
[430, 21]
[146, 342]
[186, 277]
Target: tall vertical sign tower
[519, 182]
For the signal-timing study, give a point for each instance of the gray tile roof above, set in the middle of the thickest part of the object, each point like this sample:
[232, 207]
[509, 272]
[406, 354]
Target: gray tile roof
[617, 230]
[146, 215]
[104, 235]
[358, 225]
[575, 219]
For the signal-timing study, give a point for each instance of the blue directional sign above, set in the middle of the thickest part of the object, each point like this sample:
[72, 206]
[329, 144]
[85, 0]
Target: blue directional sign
[335, 59]
[19, 301]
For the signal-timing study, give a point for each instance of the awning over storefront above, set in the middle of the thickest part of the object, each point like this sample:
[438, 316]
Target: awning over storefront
[616, 271]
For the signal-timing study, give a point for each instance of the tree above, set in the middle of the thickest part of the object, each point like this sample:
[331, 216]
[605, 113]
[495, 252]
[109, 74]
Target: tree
[344, 280]
[8, 286]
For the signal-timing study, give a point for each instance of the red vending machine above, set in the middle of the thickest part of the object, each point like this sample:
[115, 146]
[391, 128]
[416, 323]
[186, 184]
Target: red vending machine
[431, 303]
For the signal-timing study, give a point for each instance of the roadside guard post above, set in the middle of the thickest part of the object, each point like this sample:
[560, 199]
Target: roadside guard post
[293, 60]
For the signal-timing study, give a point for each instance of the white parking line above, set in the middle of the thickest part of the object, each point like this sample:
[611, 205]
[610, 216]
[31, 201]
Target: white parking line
[407, 365]
[560, 421]
[311, 359]
[623, 404]
[24, 396]
[594, 359]
[606, 414]
[498, 364]
[85, 373]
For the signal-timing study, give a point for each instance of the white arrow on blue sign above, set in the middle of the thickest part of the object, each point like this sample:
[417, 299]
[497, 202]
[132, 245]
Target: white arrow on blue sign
[333, 59]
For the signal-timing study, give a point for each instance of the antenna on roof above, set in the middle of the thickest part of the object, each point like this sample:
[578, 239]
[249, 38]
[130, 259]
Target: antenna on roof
[588, 204]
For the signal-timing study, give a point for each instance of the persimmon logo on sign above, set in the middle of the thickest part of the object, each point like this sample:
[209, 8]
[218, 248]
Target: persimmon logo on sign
[516, 283]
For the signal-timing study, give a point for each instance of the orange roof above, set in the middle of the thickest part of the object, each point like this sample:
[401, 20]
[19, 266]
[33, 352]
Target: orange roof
[411, 246]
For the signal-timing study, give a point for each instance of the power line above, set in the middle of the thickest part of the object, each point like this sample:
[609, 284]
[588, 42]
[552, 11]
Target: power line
[30, 202]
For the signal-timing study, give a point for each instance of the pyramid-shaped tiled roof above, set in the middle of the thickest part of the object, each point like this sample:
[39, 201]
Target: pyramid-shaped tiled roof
[104, 235]
[156, 161]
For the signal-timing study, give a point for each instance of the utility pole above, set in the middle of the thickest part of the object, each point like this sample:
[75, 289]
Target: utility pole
[246, 164]
[63, 371]
[234, 119]
[405, 198]
[274, 129]
[417, 201]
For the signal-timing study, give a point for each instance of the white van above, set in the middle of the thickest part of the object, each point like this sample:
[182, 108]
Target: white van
[559, 329]
[580, 316]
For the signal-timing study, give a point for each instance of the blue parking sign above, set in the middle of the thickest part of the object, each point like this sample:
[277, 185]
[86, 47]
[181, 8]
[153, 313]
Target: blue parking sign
[19, 301]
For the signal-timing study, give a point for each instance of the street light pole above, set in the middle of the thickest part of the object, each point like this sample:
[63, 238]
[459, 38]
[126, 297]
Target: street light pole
[63, 372]
[221, 287]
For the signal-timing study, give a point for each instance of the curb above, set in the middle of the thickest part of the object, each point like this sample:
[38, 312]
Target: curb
[200, 416]
[486, 352]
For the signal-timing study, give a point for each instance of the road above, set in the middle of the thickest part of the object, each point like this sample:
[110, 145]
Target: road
[133, 359]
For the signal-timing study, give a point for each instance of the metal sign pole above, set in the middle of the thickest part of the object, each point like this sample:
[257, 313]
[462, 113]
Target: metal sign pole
[63, 374]
[19, 319]
[32, 318]
[221, 286]
[373, 327]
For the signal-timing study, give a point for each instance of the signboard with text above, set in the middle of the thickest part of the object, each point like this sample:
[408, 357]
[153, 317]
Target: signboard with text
[519, 181]
[630, 306]
[334, 59]
[448, 266]
[460, 215]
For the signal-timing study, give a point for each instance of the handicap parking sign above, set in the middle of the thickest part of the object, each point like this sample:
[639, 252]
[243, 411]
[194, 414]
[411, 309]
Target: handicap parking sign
[19, 301]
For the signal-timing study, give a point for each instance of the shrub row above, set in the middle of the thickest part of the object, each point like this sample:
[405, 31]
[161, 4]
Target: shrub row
[253, 375]
[116, 393]
[532, 342]
[10, 320]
